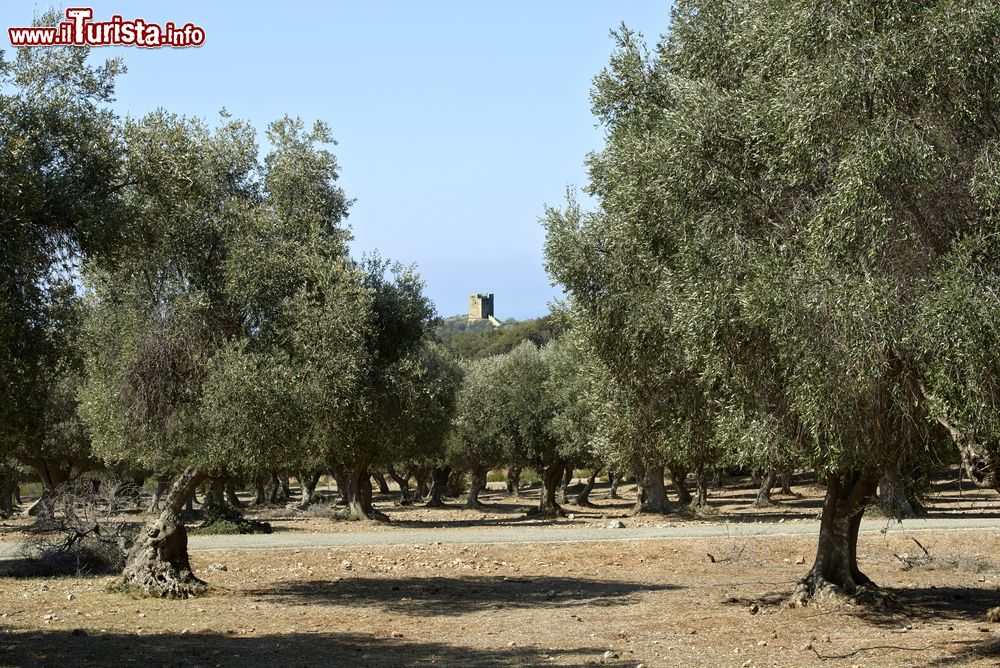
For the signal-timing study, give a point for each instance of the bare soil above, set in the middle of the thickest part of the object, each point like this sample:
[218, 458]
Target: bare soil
[690, 602]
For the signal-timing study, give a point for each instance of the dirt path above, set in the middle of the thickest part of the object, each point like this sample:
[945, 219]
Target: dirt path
[551, 533]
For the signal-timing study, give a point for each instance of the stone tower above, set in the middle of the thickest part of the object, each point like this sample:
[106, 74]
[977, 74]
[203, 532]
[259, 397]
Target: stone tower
[481, 306]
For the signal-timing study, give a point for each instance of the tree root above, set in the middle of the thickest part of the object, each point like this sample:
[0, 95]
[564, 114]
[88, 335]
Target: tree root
[816, 590]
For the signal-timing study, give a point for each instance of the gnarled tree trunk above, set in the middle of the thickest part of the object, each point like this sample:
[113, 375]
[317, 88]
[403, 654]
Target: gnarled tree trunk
[477, 485]
[701, 488]
[678, 476]
[355, 485]
[7, 485]
[895, 498]
[835, 571]
[52, 474]
[403, 482]
[583, 498]
[383, 486]
[651, 492]
[439, 480]
[307, 483]
[615, 479]
[564, 486]
[764, 493]
[155, 503]
[547, 504]
[514, 480]
[231, 496]
[786, 483]
[157, 564]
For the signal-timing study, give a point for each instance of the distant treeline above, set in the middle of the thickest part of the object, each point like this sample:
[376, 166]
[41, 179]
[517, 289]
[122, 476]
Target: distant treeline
[479, 339]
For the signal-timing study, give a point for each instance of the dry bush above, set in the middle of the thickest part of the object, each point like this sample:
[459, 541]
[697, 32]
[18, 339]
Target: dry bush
[87, 532]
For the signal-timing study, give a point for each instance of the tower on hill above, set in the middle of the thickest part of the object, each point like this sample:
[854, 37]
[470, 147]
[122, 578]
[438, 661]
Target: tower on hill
[481, 307]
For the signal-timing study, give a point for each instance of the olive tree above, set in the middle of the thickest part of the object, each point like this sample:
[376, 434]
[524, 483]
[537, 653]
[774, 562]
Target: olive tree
[806, 193]
[60, 175]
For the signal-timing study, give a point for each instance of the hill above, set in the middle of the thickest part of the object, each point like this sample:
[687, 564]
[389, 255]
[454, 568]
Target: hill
[480, 339]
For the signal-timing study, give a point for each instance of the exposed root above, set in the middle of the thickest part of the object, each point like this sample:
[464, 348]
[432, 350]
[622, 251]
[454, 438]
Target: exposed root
[550, 512]
[817, 590]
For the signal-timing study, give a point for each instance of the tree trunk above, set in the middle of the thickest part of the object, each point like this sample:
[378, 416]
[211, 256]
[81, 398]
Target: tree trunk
[583, 498]
[162, 485]
[678, 476]
[701, 490]
[7, 485]
[786, 483]
[404, 486]
[566, 480]
[652, 494]
[514, 480]
[835, 571]
[307, 484]
[52, 474]
[215, 495]
[895, 499]
[764, 493]
[615, 479]
[231, 496]
[439, 480]
[260, 491]
[547, 504]
[477, 485]
[422, 476]
[383, 486]
[157, 563]
[355, 484]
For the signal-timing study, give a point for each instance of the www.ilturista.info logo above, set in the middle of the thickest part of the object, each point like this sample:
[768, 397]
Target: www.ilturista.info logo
[79, 30]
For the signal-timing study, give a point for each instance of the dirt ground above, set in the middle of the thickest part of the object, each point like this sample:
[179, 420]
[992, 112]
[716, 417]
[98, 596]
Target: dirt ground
[656, 603]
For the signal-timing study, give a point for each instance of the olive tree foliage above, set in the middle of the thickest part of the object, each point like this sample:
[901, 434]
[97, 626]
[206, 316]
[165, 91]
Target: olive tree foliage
[59, 178]
[804, 196]
[530, 407]
[232, 326]
[480, 438]
[404, 400]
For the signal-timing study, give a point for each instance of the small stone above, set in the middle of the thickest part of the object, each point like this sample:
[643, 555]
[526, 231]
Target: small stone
[70, 596]
[218, 567]
[754, 608]
[610, 655]
[761, 643]
[800, 560]
[571, 516]
[48, 617]
[184, 632]
[616, 524]
[808, 646]
[993, 614]
[346, 565]
[824, 638]
[395, 634]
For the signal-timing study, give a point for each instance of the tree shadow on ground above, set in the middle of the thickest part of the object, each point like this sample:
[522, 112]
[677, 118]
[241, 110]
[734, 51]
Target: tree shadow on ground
[969, 651]
[45, 648]
[450, 596]
[934, 604]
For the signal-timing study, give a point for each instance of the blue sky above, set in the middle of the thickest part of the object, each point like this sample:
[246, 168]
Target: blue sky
[456, 121]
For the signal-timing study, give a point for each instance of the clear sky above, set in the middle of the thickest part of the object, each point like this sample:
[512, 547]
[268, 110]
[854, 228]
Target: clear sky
[456, 121]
